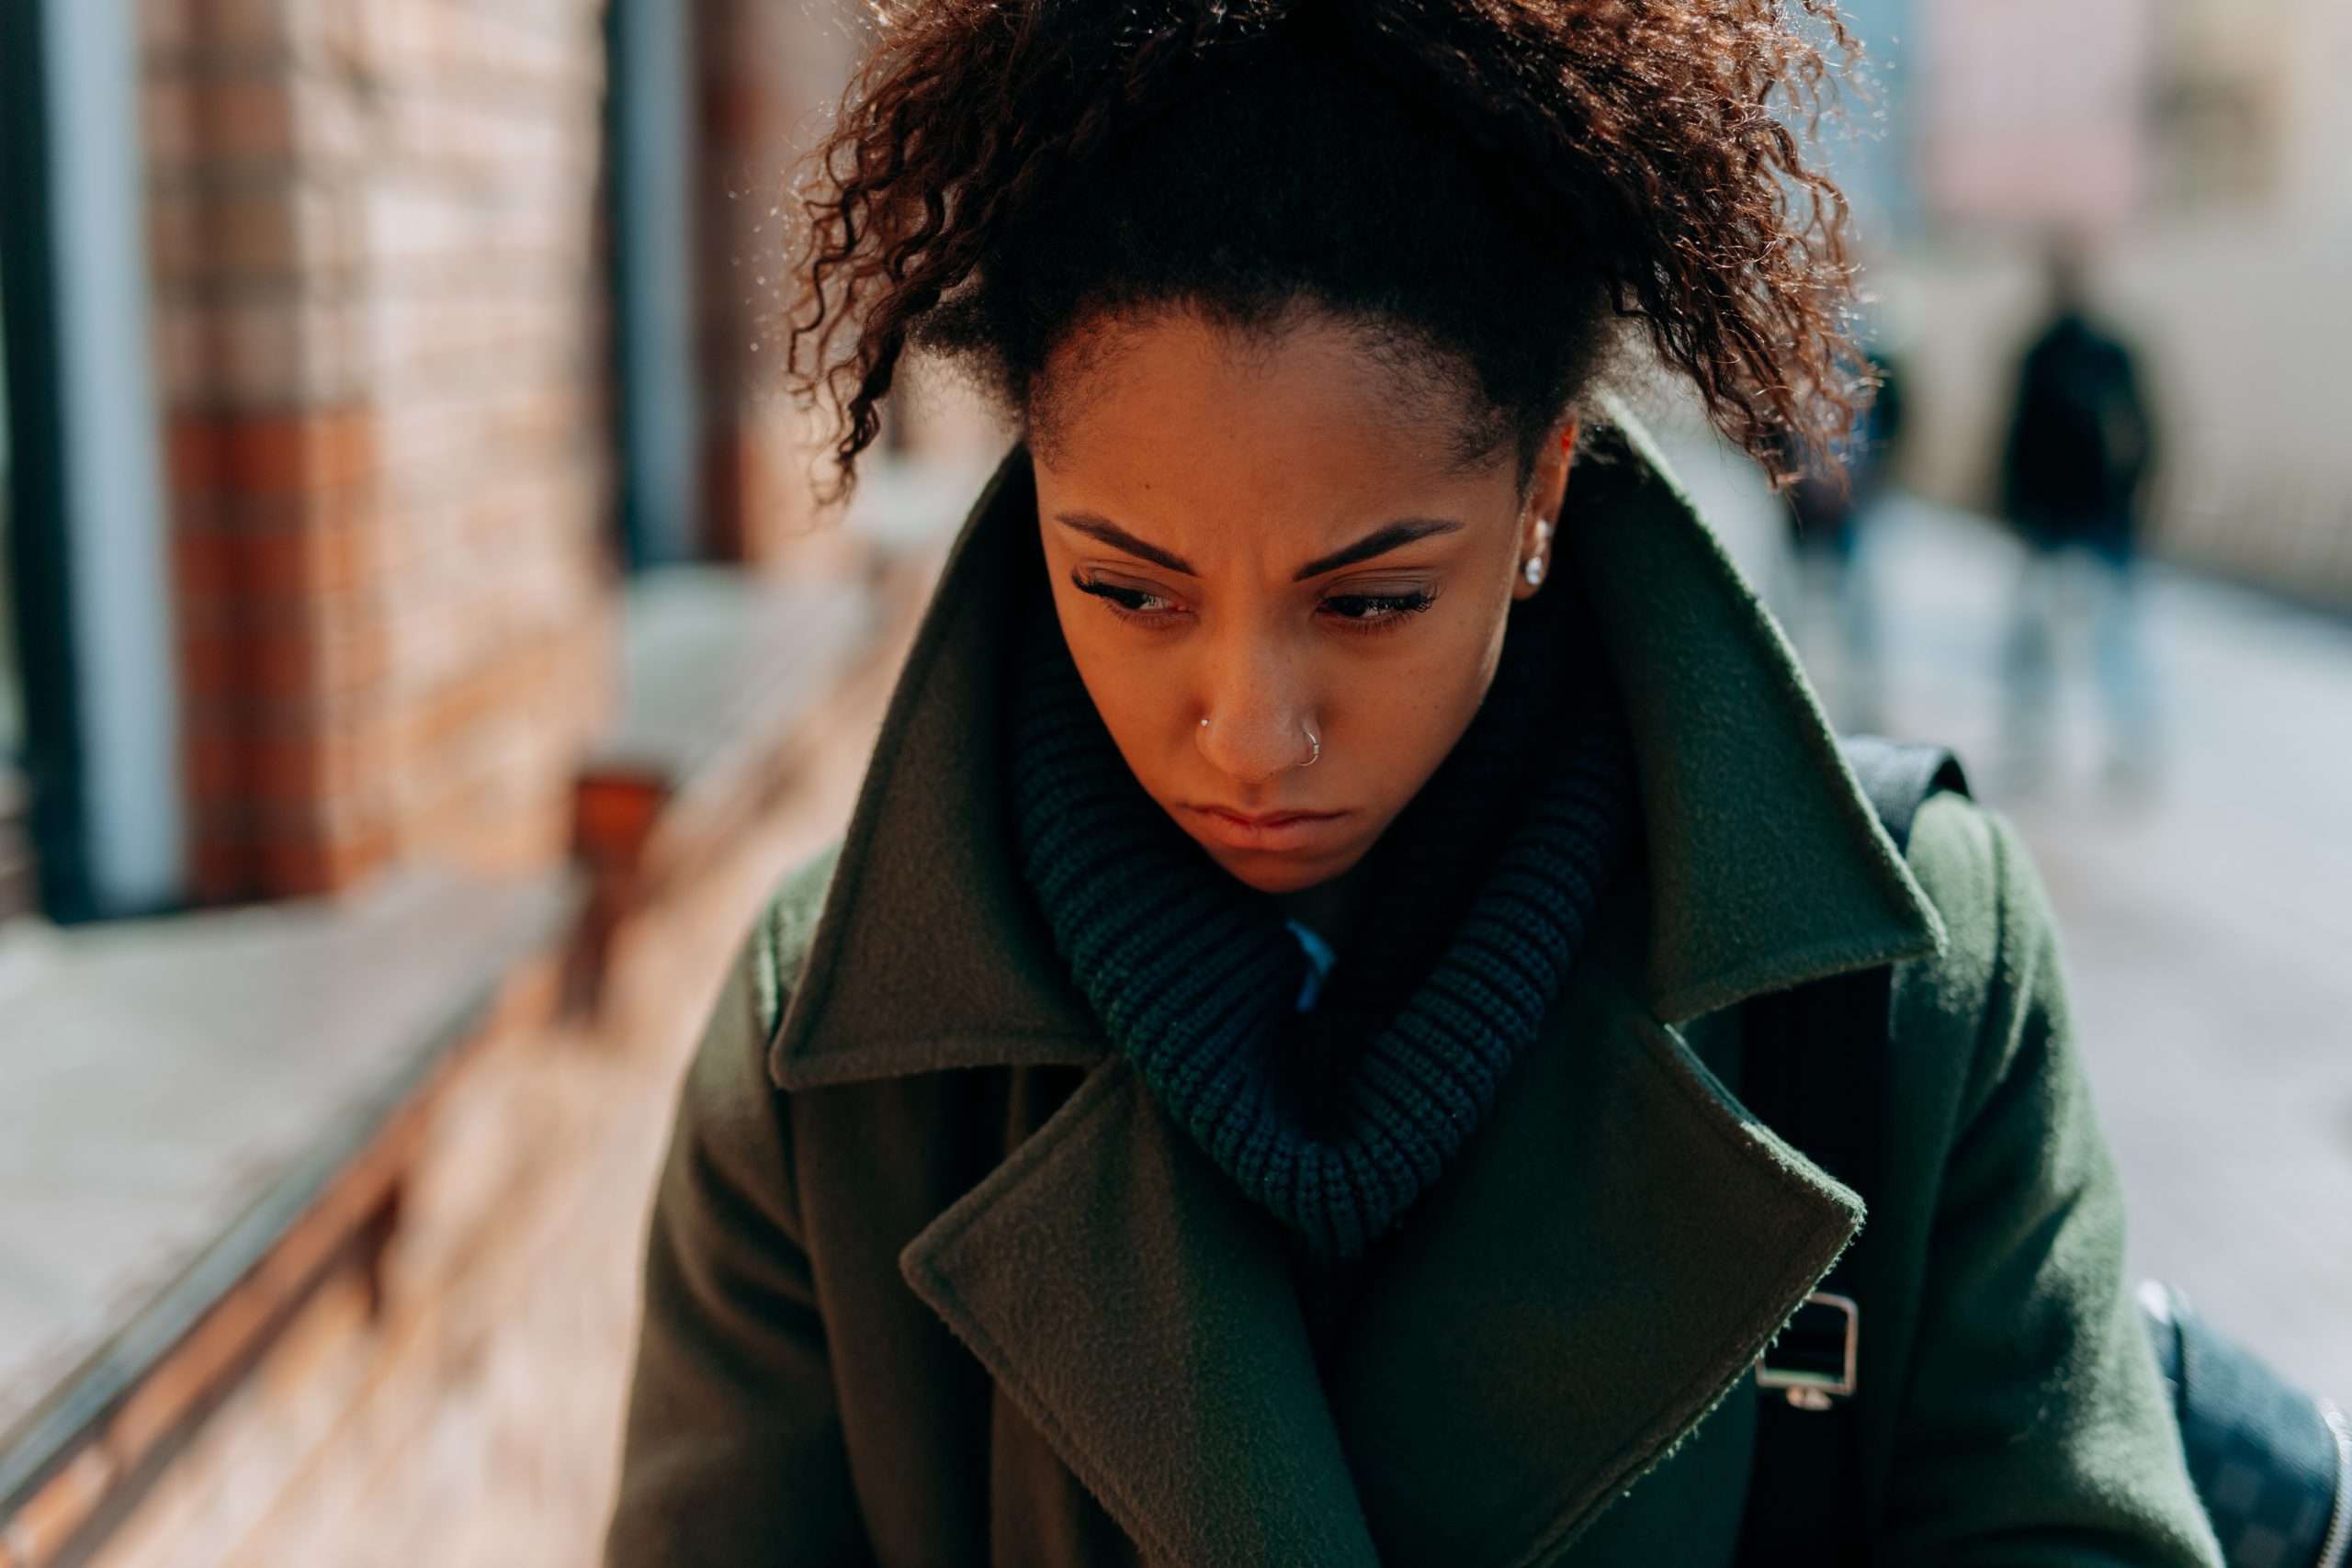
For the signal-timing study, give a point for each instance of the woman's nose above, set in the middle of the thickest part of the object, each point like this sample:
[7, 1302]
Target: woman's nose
[1252, 742]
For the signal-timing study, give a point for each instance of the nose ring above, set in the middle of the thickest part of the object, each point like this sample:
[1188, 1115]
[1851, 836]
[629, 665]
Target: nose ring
[1314, 757]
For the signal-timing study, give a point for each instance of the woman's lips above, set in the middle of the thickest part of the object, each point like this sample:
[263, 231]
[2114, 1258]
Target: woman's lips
[1269, 832]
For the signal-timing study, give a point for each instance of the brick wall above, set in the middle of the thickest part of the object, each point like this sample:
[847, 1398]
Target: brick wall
[381, 314]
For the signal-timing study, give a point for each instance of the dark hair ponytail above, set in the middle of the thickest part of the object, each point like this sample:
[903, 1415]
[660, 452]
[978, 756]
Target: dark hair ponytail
[1490, 185]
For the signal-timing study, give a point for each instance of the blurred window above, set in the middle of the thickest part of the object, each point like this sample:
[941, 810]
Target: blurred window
[649, 154]
[12, 702]
[2030, 113]
[19, 880]
[92, 701]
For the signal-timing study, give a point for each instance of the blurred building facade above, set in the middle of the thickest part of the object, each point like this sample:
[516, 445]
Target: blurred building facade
[383, 357]
[414, 607]
[456, 315]
[2197, 147]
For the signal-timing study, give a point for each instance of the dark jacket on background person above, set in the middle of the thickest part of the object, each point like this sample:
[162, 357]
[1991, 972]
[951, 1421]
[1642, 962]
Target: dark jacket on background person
[2080, 442]
[933, 1279]
[1831, 492]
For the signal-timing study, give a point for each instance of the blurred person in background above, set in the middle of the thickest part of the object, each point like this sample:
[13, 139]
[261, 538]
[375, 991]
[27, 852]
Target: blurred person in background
[2073, 477]
[1251, 1084]
[1829, 505]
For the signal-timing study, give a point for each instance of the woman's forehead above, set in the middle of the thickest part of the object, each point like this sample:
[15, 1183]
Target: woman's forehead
[1185, 424]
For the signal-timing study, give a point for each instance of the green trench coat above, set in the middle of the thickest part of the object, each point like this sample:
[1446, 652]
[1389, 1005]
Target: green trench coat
[934, 1281]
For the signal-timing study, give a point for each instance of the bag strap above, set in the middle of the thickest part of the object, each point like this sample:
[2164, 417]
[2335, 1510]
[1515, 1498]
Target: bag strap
[1814, 1072]
[1897, 778]
[2272, 1466]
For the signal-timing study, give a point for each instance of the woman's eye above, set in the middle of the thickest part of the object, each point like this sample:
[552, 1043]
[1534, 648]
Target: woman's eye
[1381, 608]
[1125, 598]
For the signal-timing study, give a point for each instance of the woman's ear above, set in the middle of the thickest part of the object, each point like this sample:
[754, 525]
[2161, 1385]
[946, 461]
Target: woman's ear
[1547, 493]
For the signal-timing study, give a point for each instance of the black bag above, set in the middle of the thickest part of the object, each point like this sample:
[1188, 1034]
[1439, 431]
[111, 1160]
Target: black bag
[2272, 1465]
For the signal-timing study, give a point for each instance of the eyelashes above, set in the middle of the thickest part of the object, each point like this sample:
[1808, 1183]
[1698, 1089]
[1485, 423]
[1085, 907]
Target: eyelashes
[1360, 612]
[1373, 606]
[1136, 602]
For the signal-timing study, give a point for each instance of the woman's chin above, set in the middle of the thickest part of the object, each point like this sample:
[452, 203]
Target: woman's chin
[1274, 872]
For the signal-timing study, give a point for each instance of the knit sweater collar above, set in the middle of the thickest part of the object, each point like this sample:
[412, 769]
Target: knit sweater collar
[1478, 900]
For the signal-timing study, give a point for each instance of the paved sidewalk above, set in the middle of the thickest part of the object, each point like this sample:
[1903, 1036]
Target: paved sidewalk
[2206, 915]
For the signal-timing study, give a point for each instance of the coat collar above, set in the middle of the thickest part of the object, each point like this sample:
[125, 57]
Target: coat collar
[1766, 866]
[1602, 1262]
[1598, 1271]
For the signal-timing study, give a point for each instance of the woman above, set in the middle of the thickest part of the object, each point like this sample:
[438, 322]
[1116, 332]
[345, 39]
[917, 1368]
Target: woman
[1250, 1084]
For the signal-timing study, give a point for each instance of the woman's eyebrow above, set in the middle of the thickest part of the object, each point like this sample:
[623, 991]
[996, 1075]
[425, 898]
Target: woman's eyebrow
[1379, 542]
[1118, 539]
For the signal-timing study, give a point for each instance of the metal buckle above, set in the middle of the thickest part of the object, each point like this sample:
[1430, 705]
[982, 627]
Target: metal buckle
[1811, 1360]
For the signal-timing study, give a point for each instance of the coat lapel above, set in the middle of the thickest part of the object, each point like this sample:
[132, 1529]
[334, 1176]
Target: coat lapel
[1603, 1264]
[1139, 1312]
[929, 953]
[1767, 866]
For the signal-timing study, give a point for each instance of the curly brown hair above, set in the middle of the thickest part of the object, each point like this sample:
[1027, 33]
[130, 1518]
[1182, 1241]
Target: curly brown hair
[1495, 188]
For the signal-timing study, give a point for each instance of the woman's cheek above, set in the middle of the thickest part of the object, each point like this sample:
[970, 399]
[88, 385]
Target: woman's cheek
[1143, 695]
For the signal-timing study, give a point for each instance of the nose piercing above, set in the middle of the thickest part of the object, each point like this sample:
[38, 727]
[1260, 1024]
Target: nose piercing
[1314, 756]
